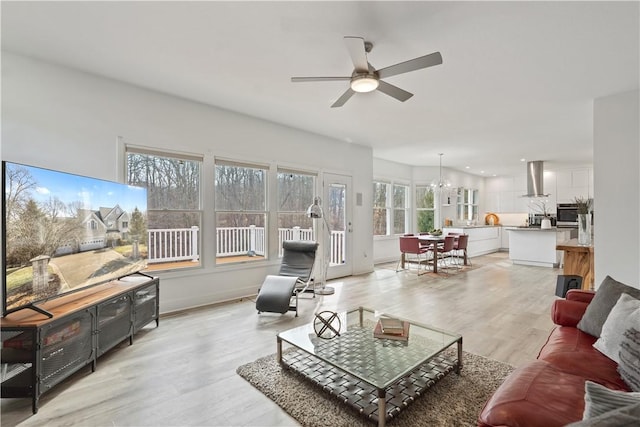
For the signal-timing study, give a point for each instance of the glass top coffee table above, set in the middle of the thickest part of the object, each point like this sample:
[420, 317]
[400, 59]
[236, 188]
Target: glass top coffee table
[379, 377]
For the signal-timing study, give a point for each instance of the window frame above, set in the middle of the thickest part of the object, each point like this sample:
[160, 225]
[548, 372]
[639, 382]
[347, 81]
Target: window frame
[406, 209]
[467, 204]
[303, 232]
[261, 250]
[419, 209]
[386, 208]
[196, 259]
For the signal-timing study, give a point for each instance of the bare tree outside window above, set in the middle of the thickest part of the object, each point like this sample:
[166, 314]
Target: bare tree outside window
[241, 212]
[174, 206]
[381, 209]
[400, 209]
[295, 194]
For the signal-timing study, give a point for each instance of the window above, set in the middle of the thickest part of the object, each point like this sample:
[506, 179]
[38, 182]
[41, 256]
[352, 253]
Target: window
[174, 213]
[467, 204]
[400, 209]
[381, 209]
[425, 208]
[295, 195]
[241, 212]
[390, 206]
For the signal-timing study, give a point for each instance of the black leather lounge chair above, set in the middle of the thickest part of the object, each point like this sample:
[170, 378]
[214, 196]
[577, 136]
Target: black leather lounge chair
[294, 277]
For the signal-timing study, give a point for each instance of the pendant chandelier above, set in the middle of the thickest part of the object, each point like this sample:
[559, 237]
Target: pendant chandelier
[443, 186]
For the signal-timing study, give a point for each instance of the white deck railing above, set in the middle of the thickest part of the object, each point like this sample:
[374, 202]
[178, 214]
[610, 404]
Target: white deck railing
[180, 244]
[174, 244]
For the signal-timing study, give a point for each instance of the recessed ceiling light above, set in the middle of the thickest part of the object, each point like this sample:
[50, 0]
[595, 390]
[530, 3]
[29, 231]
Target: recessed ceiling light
[495, 174]
[467, 167]
[523, 159]
[481, 171]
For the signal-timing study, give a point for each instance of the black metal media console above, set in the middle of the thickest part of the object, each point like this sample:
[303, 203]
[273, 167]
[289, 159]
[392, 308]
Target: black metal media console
[39, 352]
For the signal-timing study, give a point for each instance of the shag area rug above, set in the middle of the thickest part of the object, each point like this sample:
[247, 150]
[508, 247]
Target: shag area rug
[456, 400]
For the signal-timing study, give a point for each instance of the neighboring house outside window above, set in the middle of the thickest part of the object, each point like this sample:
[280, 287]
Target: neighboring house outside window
[425, 207]
[295, 195]
[241, 211]
[174, 215]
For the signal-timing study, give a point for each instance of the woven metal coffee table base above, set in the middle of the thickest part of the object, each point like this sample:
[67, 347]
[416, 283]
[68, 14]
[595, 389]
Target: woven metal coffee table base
[362, 396]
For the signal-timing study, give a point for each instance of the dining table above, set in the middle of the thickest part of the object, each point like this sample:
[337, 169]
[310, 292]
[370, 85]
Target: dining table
[432, 240]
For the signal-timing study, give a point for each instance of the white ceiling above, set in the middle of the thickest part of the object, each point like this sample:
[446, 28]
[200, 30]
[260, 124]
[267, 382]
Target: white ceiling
[518, 79]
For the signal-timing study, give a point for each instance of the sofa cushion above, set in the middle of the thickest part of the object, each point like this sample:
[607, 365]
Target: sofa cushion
[629, 356]
[599, 399]
[536, 394]
[571, 350]
[598, 310]
[625, 312]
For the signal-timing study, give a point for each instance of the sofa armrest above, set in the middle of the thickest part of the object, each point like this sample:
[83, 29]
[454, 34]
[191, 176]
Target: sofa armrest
[580, 295]
[565, 312]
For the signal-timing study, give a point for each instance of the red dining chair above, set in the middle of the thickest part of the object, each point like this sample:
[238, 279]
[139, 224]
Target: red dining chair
[460, 247]
[446, 251]
[410, 248]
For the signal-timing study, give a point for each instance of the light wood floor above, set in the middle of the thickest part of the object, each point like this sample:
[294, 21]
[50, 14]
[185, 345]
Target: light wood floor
[183, 373]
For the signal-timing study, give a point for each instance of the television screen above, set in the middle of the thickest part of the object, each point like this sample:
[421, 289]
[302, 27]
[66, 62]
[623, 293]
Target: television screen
[65, 232]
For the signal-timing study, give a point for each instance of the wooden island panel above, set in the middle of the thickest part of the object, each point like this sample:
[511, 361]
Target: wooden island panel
[578, 260]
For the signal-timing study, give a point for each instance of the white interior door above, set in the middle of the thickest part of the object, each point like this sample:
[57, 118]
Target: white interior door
[338, 211]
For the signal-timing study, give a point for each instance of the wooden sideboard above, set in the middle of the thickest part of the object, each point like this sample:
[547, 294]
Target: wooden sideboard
[578, 260]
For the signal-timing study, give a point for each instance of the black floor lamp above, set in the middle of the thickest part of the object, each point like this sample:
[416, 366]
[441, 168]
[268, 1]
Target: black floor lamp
[315, 211]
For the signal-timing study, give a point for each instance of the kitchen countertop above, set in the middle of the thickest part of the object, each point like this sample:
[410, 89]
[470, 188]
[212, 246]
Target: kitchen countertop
[516, 228]
[472, 226]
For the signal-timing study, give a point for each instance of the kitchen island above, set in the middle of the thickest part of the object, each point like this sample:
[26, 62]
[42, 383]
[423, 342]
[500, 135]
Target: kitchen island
[578, 260]
[536, 246]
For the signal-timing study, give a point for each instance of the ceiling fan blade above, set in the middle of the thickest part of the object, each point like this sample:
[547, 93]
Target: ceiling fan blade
[319, 79]
[355, 46]
[344, 98]
[394, 91]
[411, 65]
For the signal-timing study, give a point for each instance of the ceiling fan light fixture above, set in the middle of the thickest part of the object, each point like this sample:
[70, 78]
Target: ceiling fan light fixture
[364, 83]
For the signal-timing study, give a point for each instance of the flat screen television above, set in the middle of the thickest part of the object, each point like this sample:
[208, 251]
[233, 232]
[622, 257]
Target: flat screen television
[63, 233]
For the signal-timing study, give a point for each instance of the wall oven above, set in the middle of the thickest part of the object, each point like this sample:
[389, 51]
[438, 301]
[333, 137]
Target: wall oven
[567, 215]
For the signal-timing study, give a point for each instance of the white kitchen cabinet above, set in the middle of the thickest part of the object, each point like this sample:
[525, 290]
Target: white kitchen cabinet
[504, 239]
[482, 239]
[573, 183]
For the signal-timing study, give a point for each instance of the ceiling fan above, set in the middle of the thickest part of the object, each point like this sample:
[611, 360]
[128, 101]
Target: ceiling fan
[365, 78]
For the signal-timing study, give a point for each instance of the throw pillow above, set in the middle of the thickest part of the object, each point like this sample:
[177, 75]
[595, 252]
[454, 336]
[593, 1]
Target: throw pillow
[598, 399]
[606, 297]
[627, 416]
[626, 312]
[629, 365]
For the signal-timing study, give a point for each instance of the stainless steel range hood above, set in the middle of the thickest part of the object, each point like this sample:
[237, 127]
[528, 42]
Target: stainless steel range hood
[535, 178]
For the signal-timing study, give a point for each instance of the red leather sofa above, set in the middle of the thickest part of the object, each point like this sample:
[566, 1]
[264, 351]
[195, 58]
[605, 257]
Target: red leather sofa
[550, 390]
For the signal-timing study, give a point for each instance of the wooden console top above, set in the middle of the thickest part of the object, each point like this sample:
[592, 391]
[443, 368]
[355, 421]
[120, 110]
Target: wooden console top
[73, 302]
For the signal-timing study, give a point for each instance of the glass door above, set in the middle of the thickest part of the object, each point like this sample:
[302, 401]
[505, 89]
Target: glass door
[337, 196]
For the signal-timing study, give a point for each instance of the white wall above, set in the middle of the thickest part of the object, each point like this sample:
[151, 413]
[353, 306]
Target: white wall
[616, 152]
[62, 119]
